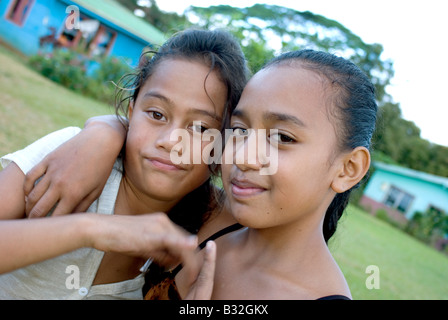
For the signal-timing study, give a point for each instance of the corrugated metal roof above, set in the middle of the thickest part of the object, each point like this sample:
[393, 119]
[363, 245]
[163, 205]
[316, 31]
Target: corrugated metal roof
[412, 173]
[115, 13]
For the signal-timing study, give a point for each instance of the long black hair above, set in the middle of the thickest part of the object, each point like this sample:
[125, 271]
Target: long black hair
[355, 110]
[218, 50]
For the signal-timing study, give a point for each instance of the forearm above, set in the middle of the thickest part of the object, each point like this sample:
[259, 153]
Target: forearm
[24, 242]
[112, 130]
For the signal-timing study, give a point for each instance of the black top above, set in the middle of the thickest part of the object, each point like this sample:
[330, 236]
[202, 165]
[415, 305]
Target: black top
[334, 297]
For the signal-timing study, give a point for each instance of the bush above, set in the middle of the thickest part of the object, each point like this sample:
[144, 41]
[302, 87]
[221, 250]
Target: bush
[383, 215]
[93, 77]
[428, 227]
[62, 67]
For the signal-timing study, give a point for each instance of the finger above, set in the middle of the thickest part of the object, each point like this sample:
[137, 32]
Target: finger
[85, 203]
[174, 249]
[203, 288]
[44, 206]
[36, 195]
[180, 245]
[64, 206]
[31, 177]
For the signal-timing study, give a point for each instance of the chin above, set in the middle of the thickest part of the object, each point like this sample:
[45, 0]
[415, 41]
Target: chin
[164, 193]
[248, 219]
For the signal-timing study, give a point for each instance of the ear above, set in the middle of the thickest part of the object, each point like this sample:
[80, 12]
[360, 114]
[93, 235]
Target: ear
[354, 166]
[130, 108]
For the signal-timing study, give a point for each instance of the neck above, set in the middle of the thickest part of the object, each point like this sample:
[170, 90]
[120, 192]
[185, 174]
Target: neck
[131, 201]
[288, 244]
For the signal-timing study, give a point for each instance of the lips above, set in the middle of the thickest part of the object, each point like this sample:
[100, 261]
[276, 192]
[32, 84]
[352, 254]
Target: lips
[164, 164]
[244, 188]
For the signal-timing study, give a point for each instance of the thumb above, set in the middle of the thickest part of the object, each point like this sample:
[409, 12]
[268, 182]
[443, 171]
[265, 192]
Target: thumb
[203, 287]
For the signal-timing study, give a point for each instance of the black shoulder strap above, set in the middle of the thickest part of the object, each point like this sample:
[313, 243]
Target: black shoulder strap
[220, 233]
[214, 236]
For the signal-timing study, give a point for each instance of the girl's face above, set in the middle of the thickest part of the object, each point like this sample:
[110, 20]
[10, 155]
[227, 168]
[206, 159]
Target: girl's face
[293, 101]
[172, 98]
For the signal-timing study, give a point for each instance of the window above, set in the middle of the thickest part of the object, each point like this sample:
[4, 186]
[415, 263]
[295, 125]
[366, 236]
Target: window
[19, 10]
[398, 199]
[103, 41]
[90, 38]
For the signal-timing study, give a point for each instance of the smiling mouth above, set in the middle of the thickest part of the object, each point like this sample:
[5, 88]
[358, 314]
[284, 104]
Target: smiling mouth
[245, 188]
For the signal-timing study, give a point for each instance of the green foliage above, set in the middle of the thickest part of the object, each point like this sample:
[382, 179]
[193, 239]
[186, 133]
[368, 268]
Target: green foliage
[293, 30]
[399, 141]
[428, 226]
[63, 67]
[384, 216]
[167, 22]
[71, 70]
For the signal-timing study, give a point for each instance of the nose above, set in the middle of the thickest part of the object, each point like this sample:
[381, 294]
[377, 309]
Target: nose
[246, 154]
[168, 138]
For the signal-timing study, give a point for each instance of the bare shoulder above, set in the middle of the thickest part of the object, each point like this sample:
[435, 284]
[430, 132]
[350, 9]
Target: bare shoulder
[237, 278]
[328, 281]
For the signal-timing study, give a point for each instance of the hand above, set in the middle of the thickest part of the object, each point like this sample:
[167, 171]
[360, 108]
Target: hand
[148, 236]
[73, 175]
[202, 288]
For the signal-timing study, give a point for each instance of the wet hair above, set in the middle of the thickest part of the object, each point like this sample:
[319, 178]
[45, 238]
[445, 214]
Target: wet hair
[354, 107]
[218, 50]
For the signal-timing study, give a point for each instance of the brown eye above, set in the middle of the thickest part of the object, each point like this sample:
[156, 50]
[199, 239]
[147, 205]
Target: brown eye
[282, 138]
[156, 115]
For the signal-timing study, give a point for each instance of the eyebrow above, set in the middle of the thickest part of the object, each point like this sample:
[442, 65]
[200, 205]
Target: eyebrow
[273, 116]
[159, 96]
[170, 103]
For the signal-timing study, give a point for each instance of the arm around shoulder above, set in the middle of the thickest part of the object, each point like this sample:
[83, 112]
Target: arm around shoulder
[12, 196]
[76, 172]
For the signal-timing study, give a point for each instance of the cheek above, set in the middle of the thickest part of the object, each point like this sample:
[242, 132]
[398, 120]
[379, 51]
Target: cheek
[198, 175]
[225, 174]
[135, 131]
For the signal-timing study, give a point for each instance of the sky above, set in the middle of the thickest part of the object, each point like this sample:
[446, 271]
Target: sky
[413, 35]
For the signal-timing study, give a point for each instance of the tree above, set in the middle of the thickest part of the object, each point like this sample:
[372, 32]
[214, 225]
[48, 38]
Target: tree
[269, 28]
[167, 22]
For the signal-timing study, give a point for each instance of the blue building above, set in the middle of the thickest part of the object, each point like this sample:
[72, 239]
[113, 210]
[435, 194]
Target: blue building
[91, 27]
[402, 192]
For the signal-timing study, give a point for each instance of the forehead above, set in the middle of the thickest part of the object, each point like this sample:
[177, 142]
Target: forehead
[292, 90]
[187, 82]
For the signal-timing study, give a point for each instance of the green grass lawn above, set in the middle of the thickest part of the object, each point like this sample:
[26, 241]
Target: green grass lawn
[408, 268]
[32, 106]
